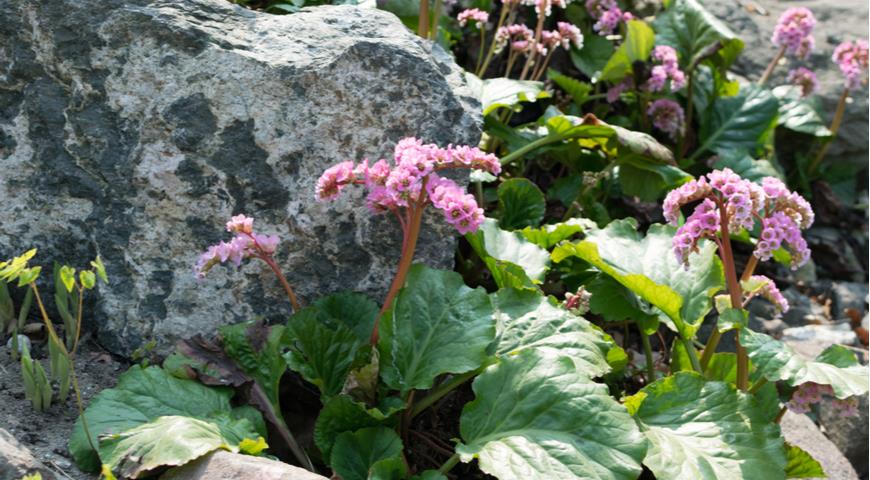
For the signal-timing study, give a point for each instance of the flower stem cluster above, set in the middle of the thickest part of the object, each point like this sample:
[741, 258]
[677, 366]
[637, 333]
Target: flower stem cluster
[805, 79]
[476, 15]
[741, 203]
[665, 67]
[794, 32]
[852, 58]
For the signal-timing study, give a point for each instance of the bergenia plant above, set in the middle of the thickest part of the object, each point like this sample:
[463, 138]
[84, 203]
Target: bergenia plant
[405, 187]
[729, 203]
[793, 35]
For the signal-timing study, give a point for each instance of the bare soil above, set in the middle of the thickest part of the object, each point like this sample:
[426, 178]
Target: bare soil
[46, 433]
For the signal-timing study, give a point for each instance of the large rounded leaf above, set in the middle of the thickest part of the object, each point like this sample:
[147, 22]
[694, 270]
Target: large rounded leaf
[693, 31]
[646, 266]
[141, 396]
[741, 122]
[520, 203]
[535, 416]
[800, 114]
[836, 366]
[706, 431]
[357, 455]
[527, 319]
[638, 44]
[342, 413]
[512, 260]
[495, 93]
[437, 325]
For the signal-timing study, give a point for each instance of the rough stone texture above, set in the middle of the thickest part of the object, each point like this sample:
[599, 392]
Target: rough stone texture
[848, 295]
[850, 435]
[222, 465]
[801, 431]
[17, 461]
[837, 22]
[135, 128]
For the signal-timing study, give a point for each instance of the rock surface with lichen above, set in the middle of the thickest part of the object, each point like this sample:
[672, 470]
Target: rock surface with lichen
[134, 129]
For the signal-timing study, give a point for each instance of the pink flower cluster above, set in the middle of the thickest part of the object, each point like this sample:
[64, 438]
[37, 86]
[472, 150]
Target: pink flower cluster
[667, 116]
[520, 37]
[852, 58]
[523, 39]
[794, 32]
[245, 244]
[412, 181]
[702, 223]
[805, 79]
[770, 292]
[577, 303]
[809, 393]
[783, 214]
[665, 68]
[474, 14]
[607, 14]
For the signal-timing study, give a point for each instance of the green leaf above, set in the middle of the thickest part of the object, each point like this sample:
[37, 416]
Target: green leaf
[256, 349]
[548, 236]
[430, 475]
[343, 414]
[88, 279]
[10, 270]
[577, 89]
[100, 269]
[353, 310]
[527, 319]
[495, 93]
[499, 249]
[615, 303]
[67, 277]
[437, 325]
[693, 31]
[800, 464]
[142, 396]
[649, 181]
[739, 123]
[28, 276]
[732, 319]
[746, 166]
[706, 430]
[646, 266]
[594, 55]
[639, 41]
[520, 203]
[640, 148]
[167, 441]
[800, 114]
[535, 416]
[323, 354]
[356, 454]
[836, 366]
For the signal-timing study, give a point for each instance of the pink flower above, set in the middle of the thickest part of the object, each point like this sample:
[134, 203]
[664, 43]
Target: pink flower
[771, 292]
[793, 31]
[805, 79]
[665, 68]
[476, 15]
[667, 116]
[847, 407]
[615, 91]
[852, 58]
[240, 224]
[519, 36]
[608, 21]
[266, 243]
[570, 35]
[335, 178]
[596, 8]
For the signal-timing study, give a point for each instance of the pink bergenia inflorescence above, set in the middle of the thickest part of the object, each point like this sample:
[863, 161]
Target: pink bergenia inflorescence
[607, 15]
[518, 35]
[667, 115]
[805, 79]
[782, 213]
[412, 181]
[665, 67]
[794, 32]
[246, 244]
[811, 393]
[852, 58]
[770, 292]
[476, 15]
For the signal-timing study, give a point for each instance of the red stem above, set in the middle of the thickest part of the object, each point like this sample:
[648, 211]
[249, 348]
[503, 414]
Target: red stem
[281, 278]
[735, 292]
[409, 244]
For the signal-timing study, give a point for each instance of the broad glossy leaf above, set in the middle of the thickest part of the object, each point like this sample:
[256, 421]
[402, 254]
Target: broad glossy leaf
[690, 29]
[342, 413]
[649, 181]
[548, 236]
[527, 319]
[746, 166]
[738, 123]
[323, 354]
[800, 114]
[800, 464]
[437, 325]
[836, 366]
[535, 416]
[256, 348]
[167, 442]
[141, 396]
[520, 203]
[353, 310]
[498, 248]
[356, 454]
[577, 89]
[495, 93]
[706, 430]
[594, 55]
[614, 302]
[639, 41]
[646, 266]
[641, 148]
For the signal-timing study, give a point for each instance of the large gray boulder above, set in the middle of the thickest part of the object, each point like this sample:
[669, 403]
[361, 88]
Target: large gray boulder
[134, 129]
